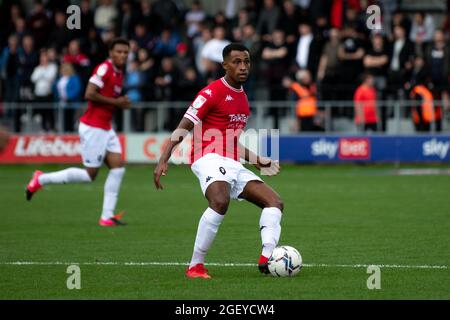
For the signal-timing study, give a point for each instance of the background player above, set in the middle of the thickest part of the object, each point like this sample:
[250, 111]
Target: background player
[99, 141]
[223, 106]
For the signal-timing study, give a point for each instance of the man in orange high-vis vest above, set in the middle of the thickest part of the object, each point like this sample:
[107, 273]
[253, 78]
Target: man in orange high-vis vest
[306, 108]
[365, 101]
[424, 115]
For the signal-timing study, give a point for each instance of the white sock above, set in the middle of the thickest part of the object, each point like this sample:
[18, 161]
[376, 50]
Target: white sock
[111, 192]
[270, 227]
[69, 175]
[206, 232]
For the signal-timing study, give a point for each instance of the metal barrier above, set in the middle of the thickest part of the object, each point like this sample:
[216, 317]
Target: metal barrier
[162, 116]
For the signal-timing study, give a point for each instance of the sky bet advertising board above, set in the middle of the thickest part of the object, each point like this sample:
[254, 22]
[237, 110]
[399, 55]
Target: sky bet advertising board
[433, 148]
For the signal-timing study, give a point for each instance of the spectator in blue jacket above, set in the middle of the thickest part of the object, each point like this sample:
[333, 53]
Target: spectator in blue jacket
[166, 43]
[68, 94]
[134, 83]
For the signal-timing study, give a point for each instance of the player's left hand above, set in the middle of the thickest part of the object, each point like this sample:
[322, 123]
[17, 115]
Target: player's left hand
[123, 102]
[268, 167]
[160, 170]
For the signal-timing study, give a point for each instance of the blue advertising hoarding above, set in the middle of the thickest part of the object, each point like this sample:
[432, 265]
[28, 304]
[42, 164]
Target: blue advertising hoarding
[334, 149]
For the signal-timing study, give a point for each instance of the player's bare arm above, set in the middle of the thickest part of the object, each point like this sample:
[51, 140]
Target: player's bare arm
[271, 167]
[177, 136]
[92, 94]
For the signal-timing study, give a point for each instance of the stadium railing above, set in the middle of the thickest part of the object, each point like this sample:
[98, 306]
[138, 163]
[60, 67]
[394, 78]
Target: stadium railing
[161, 116]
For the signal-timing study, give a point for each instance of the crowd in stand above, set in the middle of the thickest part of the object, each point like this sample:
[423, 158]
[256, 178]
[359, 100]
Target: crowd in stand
[175, 49]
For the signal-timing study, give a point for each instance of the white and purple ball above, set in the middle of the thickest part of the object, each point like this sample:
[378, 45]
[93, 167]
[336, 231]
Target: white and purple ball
[285, 261]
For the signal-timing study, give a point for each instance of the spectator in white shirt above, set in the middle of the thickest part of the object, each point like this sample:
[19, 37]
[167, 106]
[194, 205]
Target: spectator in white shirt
[43, 77]
[422, 29]
[193, 18]
[104, 15]
[308, 49]
[212, 53]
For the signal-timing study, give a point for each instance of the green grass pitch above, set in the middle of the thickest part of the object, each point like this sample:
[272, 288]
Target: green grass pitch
[341, 219]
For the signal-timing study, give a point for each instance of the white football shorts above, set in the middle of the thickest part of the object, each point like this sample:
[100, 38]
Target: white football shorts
[213, 167]
[95, 142]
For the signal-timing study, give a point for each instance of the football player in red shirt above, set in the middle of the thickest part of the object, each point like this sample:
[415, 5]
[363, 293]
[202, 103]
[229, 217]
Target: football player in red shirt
[365, 98]
[218, 115]
[99, 142]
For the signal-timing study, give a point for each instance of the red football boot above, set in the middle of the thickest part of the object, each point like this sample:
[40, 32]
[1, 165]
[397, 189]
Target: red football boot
[263, 265]
[114, 221]
[33, 185]
[198, 271]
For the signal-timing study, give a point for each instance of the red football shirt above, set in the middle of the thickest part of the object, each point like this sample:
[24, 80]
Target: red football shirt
[365, 99]
[109, 79]
[220, 113]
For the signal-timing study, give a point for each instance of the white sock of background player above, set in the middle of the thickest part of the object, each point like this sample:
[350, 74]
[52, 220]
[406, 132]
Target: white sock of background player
[70, 175]
[111, 192]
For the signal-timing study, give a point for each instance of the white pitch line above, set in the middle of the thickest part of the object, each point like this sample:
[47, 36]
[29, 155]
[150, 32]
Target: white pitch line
[218, 264]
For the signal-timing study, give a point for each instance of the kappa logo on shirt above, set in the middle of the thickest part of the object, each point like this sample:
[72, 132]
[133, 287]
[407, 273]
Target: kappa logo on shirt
[229, 98]
[208, 92]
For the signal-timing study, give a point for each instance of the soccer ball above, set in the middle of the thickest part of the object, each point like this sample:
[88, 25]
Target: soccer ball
[285, 261]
